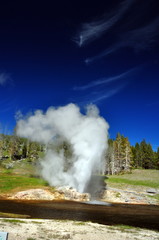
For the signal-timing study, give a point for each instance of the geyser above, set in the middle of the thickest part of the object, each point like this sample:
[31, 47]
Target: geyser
[86, 133]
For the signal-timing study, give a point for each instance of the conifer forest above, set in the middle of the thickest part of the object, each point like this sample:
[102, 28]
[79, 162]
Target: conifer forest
[119, 157]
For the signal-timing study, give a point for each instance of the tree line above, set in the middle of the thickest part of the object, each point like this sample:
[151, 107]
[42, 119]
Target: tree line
[15, 148]
[119, 157]
[122, 157]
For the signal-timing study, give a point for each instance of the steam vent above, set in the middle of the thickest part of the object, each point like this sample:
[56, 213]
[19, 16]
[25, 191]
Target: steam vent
[96, 186]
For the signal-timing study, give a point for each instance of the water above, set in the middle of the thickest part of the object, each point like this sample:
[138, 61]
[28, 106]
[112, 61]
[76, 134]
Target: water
[146, 216]
[96, 202]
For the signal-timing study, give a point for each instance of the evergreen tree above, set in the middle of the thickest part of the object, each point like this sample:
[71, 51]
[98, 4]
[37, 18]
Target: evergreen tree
[126, 154]
[110, 163]
[156, 159]
[119, 155]
[136, 156]
[146, 155]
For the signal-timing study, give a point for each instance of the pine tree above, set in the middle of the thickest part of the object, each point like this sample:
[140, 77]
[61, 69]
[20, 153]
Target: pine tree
[110, 164]
[126, 154]
[156, 159]
[137, 163]
[117, 153]
[146, 155]
[118, 156]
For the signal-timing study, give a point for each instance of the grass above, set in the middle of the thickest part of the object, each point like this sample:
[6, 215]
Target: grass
[125, 228]
[14, 221]
[79, 223]
[20, 177]
[23, 167]
[31, 238]
[13, 215]
[156, 196]
[9, 182]
[7, 171]
[133, 182]
[36, 222]
[118, 195]
[147, 178]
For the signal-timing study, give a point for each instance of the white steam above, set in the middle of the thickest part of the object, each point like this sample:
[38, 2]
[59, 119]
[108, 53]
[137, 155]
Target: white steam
[87, 135]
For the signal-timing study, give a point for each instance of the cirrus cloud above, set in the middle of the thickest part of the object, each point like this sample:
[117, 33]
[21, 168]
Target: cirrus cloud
[4, 78]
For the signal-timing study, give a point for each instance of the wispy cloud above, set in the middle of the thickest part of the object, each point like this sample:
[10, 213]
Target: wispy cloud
[7, 108]
[99, 96]
[7, 103]
[104, 81]
[126, 28]
[4, 78]
[105, 88]
[95, 29]
[138, 39]
[141, 38]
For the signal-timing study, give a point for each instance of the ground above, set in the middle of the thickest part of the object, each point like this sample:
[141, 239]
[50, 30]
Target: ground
[127, 188]
[29, 229]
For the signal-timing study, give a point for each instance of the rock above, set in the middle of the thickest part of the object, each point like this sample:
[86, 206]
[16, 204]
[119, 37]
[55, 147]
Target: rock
[113, 196]
[131, 197]
[66, 193]
[71, 194]
[151, 190]
[34, 194]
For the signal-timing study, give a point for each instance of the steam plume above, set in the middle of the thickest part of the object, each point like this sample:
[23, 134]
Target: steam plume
[86, 133]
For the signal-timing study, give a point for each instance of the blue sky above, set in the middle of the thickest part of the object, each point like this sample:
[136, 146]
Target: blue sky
[101, 52]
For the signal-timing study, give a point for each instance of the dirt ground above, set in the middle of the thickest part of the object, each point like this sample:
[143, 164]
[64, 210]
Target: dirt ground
[36, 229]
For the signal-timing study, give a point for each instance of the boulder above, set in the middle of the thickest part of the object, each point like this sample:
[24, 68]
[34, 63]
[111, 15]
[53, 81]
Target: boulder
[151, 190]
[71, 194]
